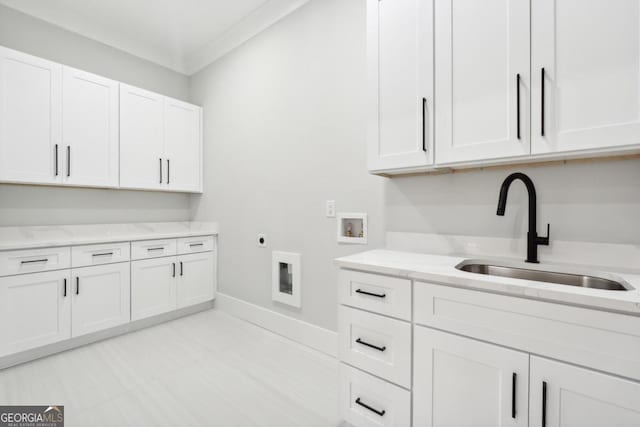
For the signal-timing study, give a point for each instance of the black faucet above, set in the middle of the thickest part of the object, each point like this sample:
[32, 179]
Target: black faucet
[533, 240]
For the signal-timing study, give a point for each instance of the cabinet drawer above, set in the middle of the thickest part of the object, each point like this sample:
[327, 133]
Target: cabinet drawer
[144, 249]
[382, 294]
[107, 253]
[601, 340]
[366, 401]
[34, 260]
[376, 344]
[187, 245]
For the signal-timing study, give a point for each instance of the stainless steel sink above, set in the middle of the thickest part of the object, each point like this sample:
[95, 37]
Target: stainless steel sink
[585, 281]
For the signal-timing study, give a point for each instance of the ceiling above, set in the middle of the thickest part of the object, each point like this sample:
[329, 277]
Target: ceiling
[184, 35]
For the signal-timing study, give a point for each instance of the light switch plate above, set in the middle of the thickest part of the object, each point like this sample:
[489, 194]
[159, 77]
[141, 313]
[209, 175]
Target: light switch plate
[330, 209]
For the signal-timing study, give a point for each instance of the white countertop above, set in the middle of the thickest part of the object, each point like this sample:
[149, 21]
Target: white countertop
[441, 269]
[12, 238]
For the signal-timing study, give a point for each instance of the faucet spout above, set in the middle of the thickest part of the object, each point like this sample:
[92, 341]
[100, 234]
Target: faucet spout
[533, 240]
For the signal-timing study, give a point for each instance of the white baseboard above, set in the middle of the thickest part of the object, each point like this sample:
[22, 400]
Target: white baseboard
[305, 333]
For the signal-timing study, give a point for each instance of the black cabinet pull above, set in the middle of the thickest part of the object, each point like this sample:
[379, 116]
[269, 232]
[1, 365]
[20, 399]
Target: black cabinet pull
[160, 170]
[195, 244]
[359, 341]
[513, 395]
[34, 260]
[360, 291]
[542, 102]
[65, 288]
[375, 411]
[544, 404]
[174, 269]
[68, 160]
[77, 285]
[56, 157]
[103, 254]
[154, 249]
[424, 120]
[181, 269]
[168, 172]
[518, 105]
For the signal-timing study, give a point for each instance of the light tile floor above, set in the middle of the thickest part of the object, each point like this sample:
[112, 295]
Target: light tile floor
[208, 369]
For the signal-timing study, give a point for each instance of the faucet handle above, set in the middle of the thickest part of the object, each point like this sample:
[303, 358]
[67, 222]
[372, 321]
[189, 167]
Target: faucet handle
[544, 240]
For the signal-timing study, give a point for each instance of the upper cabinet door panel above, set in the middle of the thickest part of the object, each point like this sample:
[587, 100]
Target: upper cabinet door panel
[590, 53]
[482, 71]
[141, 139]
[400, 74]
[183, 145]
[30, 117]
[90, 129]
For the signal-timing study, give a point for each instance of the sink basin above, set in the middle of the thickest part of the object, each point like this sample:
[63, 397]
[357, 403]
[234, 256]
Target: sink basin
[570, 279]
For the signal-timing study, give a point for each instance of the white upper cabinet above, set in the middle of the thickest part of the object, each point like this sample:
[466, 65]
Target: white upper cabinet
[183, 145]
[30, 118]
[400, 80]
[590, 54]
[160, 142]
[481, 79]
[89, 129]
[141, 139]
[563, 395]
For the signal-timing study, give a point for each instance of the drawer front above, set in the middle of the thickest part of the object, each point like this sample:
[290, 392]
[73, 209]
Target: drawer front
[34, 260]
[107, 253]
[366, 401]
[144, 249]
[187, 245]
[597, 339]
[376, 344]
[381, 294]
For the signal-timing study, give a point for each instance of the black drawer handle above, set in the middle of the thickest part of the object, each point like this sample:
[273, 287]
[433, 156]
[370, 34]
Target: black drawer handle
[35, 260]
[364, 405]
[65, 288]
[196, 244]
[181, 268]
[359, 341]
[155, 249]
[103, 254]
[77, 285]
[360, 291]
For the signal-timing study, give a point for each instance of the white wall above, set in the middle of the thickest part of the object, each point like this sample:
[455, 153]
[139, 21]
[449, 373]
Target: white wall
[27, 205]
[592, 202]
[284, 131]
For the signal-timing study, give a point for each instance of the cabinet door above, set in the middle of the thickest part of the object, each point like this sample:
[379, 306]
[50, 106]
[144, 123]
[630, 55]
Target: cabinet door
[100, 298]
[590, 54]
[141, 139]
[153, 287]
[482, 71]
[196, 280]
[563, 395]
[400, 74]
[462, 382]
[183, 145]
[35, 310]
[30, 118]
[90, 129]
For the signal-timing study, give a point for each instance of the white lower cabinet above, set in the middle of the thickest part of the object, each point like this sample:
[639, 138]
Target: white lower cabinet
[196, 279]
[100, 297]
[159, 285]
[153, 287]
[462, 382]
[563, 395]
[369, 402]
[35, 310]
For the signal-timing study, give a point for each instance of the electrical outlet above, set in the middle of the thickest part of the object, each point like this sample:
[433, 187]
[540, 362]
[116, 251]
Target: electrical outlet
[262, 240]
[330, 209]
